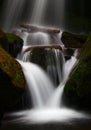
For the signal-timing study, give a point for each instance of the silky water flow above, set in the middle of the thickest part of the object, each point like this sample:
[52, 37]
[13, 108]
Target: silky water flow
[46, 98]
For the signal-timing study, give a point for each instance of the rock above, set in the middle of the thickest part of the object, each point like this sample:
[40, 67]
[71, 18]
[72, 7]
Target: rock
[3, 40]
[73, 40]
[12, 68]
[12, 80]
[11, 43]
[68, 52]
[46, 58]
[15, 44]
[77, 91]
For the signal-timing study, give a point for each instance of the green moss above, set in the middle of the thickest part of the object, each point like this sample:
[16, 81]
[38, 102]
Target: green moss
[12, 68]
[11, 43]
[80, 80]
[12, 80]
[3, 40]
[12, 38]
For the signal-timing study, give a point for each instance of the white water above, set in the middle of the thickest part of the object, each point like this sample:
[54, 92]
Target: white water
[56, 99]
[47, 101]
[39, 84]
[46, 115]
[38, 38]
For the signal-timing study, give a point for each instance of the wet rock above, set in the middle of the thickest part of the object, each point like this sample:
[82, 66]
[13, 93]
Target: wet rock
[12, 68]
[12, 80]
[46, 57]
[77, 91]
[68, 52]
[3, 40]
[15, 44]
[73, 40]
[11, 43]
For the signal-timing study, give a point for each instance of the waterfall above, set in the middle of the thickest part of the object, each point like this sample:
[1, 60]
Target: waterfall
[47, 99]
[38, 82]
[56, 99]
[41, 87]
[41, 84]
[40, 12]
[38, 38]
[12, 12]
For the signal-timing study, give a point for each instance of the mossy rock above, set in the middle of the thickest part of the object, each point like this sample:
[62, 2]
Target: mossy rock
[77, 90]
[10, 95]
[15, 44]
[46, 59]
[3, 40]
[73, 40]
[38, 56]
[12, 68]
[11, 43]
[12, 82]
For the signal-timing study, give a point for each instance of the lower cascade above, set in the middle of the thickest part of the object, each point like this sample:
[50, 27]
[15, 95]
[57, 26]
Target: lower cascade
[46, 98]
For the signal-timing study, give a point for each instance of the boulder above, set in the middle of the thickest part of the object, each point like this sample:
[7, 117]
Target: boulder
[3, 40]
[68, 52]
[15, 44]
[11, 43]
[12, 80]
[77, 91]
[73, 40]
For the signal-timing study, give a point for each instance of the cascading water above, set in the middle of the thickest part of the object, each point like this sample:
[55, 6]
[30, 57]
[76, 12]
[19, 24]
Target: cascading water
[12, 12]
[47, 100]
[37, 12]
[36, 80]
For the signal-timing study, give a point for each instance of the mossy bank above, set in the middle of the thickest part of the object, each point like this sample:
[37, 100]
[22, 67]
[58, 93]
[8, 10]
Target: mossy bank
[77, 91]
